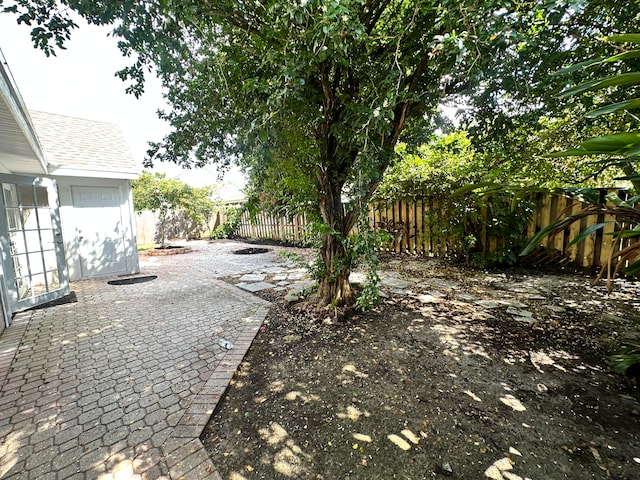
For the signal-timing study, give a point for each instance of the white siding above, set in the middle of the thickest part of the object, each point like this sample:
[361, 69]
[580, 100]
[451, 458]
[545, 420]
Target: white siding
[74, 226]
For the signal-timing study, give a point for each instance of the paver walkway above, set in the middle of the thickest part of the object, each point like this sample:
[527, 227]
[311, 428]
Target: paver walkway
[122, 383]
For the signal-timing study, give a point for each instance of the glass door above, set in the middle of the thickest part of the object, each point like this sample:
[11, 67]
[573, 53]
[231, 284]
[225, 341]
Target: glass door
[32, 249]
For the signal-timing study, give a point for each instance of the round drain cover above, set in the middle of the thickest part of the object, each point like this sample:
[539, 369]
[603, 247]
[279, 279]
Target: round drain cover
[251, 251]
[131, 281]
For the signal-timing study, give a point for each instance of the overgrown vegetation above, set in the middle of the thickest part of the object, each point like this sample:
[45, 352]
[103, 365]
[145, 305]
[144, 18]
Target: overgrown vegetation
[433, 173]
[312, 97]
[615, 149]
[229, 227]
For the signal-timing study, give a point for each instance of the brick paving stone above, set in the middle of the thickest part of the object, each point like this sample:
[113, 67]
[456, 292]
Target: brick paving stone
[121, 383]
[92, 434]
[68, 434]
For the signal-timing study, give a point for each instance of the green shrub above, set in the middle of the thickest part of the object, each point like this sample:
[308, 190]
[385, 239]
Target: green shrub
[229, 228]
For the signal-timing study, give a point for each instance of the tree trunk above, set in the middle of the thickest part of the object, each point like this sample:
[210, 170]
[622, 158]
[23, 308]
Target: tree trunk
[334, 288]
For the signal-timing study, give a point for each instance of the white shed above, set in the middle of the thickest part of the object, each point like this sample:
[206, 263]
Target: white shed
[66, 212]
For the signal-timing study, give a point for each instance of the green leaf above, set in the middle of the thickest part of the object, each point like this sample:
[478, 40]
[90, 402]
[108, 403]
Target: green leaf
[612, 143]
[614, 107]
[573, 152]
[598, 61]
[623, 56]
[627, 143]
[621, 80]
[587, 195]
[633, 269]
[616, 200]
[588, 231]
[580, 66]
[623, 38]
[635, 232]
[535, 241]
[634, 151]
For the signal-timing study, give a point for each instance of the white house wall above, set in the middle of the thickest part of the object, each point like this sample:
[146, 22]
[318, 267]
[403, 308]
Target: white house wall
[99, 236]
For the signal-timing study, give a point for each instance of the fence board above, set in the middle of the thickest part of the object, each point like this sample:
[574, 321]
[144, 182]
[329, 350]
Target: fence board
[419, 227]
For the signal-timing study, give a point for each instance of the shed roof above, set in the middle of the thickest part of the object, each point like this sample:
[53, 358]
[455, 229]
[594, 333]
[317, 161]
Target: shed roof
[80, 147]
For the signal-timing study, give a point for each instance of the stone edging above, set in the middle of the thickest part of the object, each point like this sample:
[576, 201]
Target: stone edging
[183, 451]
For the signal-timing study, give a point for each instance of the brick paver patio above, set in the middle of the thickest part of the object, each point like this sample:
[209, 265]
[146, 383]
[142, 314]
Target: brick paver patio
[122, 383]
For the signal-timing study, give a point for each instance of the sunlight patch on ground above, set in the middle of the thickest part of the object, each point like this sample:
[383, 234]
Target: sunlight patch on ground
[274, 434]
[447, 335]
[473, 395]
[362, 438]
[352, 369]
[277, 386]
[453, 338]
[399, 442]
[289, 460]
[541, 358]
[122, 470]
[295, 394]
[236, 476]
[352, 413]
[501, 470]
[409, 435]
[243, 370]
[476, 349]
[513, 402]
[8, 450]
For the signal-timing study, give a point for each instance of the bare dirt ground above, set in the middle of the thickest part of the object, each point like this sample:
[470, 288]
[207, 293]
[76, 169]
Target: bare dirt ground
[461, 374]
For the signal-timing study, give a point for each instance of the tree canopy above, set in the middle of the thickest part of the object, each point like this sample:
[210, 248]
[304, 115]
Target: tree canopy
[156, 192]
[515, 110]
[312, 96]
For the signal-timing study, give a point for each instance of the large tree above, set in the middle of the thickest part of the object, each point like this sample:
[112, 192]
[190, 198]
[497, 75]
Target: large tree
[310, 95]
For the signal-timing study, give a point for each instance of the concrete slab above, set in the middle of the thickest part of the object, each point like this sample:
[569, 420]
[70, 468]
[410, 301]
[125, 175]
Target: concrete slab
[253, 277]
[257, 287]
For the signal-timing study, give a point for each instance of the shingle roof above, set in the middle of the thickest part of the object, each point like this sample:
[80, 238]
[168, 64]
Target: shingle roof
[76, 146]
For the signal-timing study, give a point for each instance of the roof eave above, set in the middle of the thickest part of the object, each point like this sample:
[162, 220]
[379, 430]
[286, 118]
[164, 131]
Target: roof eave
[62, 171]
[13, 99]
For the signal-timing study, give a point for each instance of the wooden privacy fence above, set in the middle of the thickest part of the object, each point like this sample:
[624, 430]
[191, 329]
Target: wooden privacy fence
[421, 228]
[266, 226]
[148, 224]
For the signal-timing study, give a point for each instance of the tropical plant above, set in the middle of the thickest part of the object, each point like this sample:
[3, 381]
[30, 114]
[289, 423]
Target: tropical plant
[618, 148]
[626, 361]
